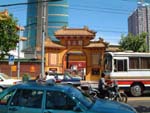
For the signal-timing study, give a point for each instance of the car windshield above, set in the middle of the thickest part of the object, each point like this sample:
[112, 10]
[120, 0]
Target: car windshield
[5, 76]
[85, 100]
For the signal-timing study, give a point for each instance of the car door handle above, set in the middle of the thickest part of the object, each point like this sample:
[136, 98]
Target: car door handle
[13, 109]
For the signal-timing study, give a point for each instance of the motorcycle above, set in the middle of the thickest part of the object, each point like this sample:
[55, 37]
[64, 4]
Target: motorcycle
[114, 93]
[87, 89]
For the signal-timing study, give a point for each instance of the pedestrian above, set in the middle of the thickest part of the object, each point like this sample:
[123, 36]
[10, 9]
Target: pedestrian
[49, 79]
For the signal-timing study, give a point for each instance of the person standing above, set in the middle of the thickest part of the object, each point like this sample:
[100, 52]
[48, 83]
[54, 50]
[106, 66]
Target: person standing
[50, 78]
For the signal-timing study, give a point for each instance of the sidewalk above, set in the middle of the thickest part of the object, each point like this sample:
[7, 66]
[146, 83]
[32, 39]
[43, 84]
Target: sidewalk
[138, 98]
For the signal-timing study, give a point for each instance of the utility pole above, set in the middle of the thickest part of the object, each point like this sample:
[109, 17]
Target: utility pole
[20, 39]
[43, 36]
[18, 68]
[44, 16]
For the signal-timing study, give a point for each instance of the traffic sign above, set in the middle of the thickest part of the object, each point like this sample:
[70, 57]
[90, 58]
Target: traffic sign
[11, 60]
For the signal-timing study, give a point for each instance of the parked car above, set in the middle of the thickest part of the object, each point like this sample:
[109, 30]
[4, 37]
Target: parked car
[6, 81]
[55, 98]
[64, 79]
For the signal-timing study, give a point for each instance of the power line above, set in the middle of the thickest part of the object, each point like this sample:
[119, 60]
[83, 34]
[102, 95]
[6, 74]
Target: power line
[25, 3]
[89, 9]
[100, 11]
[16, 4]
[101, 29]
[113, 31]
[129, 0]
[97, 29]
[105, 8]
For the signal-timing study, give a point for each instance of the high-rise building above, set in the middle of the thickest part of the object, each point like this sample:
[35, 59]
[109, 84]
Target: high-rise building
[56, 16]
[139, 22]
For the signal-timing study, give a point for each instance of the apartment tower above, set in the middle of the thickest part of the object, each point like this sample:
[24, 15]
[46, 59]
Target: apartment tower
[139, 22]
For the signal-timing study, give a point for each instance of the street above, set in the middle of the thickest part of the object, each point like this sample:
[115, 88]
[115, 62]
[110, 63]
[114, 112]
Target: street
[141, 104]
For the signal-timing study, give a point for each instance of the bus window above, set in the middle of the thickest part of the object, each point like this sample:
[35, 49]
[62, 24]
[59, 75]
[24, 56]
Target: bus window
[120, 65]
[145, 63]
[139, 62]
[134, 63]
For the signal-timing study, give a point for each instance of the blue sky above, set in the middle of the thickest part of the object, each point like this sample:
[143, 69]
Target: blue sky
[107, 17]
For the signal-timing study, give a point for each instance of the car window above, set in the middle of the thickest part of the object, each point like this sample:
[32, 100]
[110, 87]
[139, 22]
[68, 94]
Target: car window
[27, 98]
[59, 101]
[5, 99]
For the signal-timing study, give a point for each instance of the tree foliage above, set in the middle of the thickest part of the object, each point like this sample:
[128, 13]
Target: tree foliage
[8, 35]
[135, 43]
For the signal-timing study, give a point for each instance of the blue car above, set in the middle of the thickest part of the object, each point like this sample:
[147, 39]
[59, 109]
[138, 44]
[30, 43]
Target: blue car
[55, 98]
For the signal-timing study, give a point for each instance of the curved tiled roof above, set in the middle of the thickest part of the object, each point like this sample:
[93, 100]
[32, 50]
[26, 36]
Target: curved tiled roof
[97, 44]
[75, 32]
[49, 43]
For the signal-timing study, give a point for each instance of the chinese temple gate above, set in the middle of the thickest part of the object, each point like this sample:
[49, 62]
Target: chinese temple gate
[75, 51]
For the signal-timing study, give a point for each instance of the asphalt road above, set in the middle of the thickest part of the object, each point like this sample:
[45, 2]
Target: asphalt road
[141, 104]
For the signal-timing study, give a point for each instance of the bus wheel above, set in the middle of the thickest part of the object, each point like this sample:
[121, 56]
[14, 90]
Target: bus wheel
[136, 90]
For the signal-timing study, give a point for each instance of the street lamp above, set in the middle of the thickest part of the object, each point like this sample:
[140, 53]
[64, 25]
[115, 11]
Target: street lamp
[20, 39]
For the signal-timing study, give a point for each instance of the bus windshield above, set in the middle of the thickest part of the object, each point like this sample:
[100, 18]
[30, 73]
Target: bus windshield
[108, 63]
[115, 64]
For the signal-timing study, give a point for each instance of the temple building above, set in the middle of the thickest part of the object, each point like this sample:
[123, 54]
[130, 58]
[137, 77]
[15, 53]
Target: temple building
[75, 51]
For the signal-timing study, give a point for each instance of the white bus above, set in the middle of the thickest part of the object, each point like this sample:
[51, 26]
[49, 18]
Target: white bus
[130, 69]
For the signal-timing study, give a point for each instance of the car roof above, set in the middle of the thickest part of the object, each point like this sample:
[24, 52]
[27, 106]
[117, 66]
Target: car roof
[39, 86]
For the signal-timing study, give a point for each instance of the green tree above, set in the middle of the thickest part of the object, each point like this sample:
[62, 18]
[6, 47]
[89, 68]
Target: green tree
[135, 43]
[8, 35]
